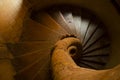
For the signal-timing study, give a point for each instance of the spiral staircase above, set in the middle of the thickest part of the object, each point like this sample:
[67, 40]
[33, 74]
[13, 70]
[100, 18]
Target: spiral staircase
[30, 55]
[45, 28]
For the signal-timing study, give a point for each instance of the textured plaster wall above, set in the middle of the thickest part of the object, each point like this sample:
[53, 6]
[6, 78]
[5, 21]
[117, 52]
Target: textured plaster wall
[11, 18]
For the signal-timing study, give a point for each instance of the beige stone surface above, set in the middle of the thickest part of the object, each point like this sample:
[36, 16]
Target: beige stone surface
[12, 14]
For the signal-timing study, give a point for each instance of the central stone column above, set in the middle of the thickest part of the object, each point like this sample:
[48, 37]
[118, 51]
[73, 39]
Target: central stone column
[61, 61]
